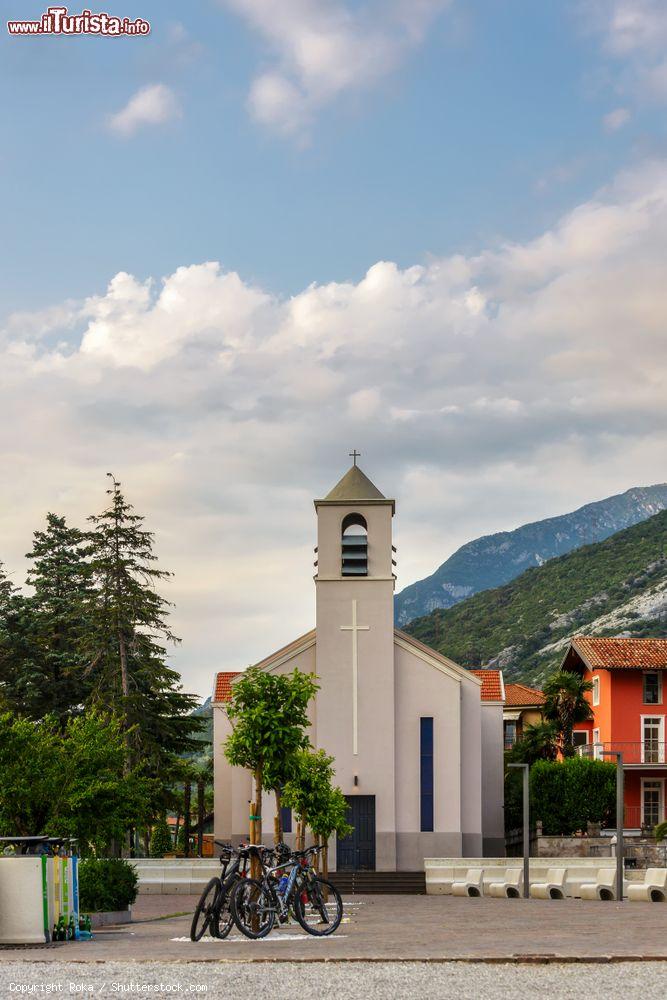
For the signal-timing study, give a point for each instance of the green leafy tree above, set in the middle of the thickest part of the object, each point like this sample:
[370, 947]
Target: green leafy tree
[269, 716]
[565, 704]
[74, 783]
[310, 792]
[125, 643]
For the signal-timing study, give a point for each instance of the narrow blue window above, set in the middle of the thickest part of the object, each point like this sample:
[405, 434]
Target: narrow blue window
[286, 819]
[426, 773]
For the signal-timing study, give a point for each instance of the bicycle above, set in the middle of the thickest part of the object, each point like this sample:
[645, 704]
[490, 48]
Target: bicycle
[255, 903]
[213, 909]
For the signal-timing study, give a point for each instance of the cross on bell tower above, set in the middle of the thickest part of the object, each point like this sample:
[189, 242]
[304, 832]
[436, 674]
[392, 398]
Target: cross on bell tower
[354, 455]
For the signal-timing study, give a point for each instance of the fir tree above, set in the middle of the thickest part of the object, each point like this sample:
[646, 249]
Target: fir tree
[127, 631]
[55, 621]
[14, 645]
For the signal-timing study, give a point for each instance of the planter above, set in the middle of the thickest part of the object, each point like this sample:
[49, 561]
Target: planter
[111, 917]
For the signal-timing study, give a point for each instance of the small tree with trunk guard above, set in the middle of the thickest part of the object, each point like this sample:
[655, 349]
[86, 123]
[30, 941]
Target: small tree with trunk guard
[269, 716]
[319, 803]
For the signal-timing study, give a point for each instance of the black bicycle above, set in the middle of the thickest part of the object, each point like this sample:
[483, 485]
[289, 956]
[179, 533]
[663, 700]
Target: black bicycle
[292, 886]
[213, 910]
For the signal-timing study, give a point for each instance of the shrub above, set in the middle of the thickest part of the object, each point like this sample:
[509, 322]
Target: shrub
[568, 794]
[161, 842]
[660, 831]
[106, 884]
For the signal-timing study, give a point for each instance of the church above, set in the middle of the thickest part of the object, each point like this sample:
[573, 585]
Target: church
[417, 739]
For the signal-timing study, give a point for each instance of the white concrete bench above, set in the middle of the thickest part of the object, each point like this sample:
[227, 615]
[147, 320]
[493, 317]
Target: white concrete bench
[150, 887]
[553, 888]
[471, 885]
[652, 890]
[604, 886]
[509, 887]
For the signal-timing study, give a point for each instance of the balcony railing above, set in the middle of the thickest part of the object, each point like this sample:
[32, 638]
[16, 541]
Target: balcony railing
[647, 752]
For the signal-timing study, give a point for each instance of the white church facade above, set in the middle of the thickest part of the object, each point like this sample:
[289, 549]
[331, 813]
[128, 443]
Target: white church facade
[417, 739]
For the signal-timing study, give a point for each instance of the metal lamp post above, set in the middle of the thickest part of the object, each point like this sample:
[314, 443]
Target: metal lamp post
[526, 827]
[620, 869]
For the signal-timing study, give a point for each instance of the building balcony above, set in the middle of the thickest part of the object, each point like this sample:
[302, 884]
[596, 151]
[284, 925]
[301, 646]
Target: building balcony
[642, 753]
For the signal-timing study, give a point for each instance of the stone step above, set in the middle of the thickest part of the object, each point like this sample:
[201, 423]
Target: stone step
[374, 883]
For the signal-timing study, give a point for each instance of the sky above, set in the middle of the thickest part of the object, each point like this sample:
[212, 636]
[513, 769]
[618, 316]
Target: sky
[262, 235]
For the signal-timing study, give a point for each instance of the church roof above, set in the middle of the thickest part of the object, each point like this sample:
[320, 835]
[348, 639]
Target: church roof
[354, 485]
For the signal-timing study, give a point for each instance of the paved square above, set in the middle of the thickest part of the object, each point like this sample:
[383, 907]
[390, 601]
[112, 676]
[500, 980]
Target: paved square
[431, 928]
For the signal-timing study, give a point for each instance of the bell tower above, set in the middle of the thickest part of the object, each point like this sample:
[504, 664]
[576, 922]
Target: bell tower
[355, 646]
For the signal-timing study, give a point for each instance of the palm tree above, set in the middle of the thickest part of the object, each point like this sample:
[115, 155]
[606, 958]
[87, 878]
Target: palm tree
[538, 742]
[565, 704]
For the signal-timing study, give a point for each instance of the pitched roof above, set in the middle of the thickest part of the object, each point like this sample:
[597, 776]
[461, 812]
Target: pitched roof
[492, 684]
[292, 647]
[518, 695]
[409, 640]
[354, 486]
[223, 685]
[621, 653]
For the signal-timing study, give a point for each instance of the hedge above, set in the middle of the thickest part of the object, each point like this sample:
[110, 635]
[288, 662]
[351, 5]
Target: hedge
[106, 884]
[567, 795]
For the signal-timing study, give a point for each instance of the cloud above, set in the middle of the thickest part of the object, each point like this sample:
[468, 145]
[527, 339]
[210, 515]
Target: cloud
[634, 32]
[616, 119]
[482, 390]
[322, 50]
[155, 104]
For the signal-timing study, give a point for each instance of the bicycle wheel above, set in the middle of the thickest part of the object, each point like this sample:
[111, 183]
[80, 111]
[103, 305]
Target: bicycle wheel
[225, 916]
[206, 912]
[318, 907]
[252, 908]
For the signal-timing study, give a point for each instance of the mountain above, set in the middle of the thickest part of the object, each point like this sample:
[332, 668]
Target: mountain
[205, 712]
[615, 587]
[496, 559]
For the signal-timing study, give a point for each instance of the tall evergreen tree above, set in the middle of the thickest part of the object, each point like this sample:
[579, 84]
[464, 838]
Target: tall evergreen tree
[127, 629]
[54, 621]
[15, 681]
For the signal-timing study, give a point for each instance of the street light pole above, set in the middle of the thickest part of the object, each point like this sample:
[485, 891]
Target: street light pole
[526, 827]
[620, 810]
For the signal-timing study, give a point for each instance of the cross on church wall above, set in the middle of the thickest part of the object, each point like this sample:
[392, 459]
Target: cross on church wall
[354, 628]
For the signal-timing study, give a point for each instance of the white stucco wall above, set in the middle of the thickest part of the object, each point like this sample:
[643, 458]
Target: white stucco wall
[493, 821]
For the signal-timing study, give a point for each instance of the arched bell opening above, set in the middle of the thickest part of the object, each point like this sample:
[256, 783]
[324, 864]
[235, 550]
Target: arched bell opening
[354, 545]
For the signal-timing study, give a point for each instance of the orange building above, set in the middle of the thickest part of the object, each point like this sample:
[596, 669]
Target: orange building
[628, 702]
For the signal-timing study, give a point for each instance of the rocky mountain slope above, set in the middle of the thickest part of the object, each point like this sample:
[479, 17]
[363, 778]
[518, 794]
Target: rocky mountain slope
[496, 559]
[614, 587]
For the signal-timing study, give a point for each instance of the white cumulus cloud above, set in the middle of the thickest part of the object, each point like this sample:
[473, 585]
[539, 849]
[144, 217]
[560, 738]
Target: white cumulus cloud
[322, 49]
[483, 391]
[154, 104]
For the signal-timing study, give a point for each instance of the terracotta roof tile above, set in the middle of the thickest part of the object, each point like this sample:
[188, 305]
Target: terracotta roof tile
[620, 653]
[521, 694]
[492, 684]
[223, 685]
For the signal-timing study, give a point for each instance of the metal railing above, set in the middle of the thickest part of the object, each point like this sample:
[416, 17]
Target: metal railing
[635, 753]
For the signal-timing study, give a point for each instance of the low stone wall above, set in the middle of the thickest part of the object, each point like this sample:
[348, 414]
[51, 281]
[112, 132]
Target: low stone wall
[572, 847]
[641, 852]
